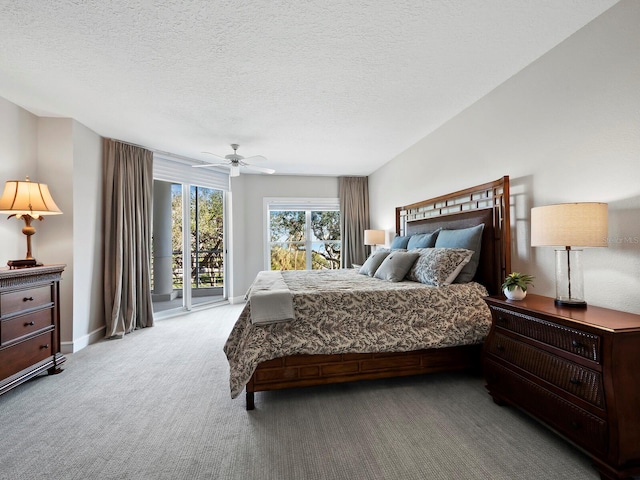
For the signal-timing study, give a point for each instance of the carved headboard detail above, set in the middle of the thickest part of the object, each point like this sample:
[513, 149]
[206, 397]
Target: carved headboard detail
[488, 204]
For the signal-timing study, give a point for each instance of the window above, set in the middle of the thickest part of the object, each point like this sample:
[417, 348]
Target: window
[303, 234]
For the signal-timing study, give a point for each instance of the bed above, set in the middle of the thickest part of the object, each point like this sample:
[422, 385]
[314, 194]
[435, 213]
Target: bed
[325, 343]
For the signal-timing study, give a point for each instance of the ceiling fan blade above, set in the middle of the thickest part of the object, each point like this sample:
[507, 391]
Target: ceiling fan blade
[258, 158]
[259, 169]
[234, 161]
[222, 159]
[203, 165]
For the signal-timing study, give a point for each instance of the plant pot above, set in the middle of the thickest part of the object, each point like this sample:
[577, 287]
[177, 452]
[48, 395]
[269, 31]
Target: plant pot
[516, 294]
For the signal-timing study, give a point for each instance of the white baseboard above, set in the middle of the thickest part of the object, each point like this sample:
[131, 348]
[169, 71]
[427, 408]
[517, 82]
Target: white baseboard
[84, 341]
[236, 300]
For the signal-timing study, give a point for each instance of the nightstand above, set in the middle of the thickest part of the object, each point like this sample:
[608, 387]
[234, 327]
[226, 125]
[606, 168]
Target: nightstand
[29, 324]
[576, 370]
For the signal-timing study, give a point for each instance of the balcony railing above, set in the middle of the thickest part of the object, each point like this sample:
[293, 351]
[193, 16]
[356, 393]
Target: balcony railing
[207, 268]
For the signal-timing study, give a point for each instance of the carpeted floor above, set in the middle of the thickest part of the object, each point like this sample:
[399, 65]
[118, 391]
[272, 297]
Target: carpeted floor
[156, 405]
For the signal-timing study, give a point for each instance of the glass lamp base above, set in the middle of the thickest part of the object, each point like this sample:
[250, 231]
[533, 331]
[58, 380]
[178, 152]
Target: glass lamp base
[569, 280]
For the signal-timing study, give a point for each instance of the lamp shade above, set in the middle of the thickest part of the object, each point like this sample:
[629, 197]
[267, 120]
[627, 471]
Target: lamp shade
[374, 237]
[569, 224]
[27, 198]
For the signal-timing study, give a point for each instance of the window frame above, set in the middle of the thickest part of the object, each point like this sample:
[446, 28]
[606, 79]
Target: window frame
[294, 204]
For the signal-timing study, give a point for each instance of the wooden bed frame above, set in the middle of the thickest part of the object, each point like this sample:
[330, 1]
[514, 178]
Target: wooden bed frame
[488, 204]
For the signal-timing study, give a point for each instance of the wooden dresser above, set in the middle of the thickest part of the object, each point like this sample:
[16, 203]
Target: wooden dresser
[29, 324]
[577, 370]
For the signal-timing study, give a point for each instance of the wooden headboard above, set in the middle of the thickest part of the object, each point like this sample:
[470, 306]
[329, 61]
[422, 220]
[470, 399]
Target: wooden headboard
[488, 204]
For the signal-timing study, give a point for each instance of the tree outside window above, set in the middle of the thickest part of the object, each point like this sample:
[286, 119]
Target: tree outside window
[304, 239]
[206, 233]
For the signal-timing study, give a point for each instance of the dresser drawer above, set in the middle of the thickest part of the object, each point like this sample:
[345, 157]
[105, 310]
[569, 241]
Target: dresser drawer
[578, 425]
[25, 354]
[17, 301]
[571, 377]
[22, 325]
[578, 342]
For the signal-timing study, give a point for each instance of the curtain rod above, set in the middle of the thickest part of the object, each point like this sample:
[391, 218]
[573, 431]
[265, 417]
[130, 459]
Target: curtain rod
[132, 144]
[168, 155]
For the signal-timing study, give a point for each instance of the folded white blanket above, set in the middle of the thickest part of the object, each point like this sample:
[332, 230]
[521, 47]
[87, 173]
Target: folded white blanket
[270, 299]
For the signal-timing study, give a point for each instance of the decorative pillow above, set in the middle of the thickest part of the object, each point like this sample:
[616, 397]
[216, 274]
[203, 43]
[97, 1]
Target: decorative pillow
[422, 240]
[469, 238]
[396, 266]
[373, 262]
[439, 266]
[399, 242]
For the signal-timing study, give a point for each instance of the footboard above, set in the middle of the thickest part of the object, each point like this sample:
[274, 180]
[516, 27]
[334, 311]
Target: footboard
[309, 370]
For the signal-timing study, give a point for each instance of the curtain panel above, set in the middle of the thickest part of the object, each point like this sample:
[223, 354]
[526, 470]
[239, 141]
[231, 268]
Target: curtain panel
[354, 219]
[128, 189]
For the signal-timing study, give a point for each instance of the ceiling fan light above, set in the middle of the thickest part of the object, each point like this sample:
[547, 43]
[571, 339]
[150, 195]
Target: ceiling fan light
[235, 171]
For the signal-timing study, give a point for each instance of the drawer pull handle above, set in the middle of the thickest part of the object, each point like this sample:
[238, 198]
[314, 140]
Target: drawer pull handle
[29, 324]
[27, 299]
[500, 347]
[45, 346]
[502, 320]
[577, 344]
[575, 425]
[574, 381]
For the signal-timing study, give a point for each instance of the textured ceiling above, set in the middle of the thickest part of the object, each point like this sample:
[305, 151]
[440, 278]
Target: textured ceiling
[318, 86]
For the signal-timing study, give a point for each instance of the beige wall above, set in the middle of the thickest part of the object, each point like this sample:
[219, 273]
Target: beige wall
[67, 156]
[18, 158]
[566, 129]
[88, 308]
[55, 167]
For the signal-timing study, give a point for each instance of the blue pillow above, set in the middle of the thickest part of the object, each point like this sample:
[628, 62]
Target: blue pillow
[373, 262]
[422, 240]
[469, 238]
[399, 242]
[396, 266]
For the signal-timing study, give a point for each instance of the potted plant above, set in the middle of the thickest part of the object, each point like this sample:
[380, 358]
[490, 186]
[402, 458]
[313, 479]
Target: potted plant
[515, 285]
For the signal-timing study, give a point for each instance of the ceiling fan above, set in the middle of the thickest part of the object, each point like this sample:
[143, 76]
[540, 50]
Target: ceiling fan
[235, 161]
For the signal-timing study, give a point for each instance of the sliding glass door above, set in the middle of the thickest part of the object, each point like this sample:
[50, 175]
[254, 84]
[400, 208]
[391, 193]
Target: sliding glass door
[188, 246]
[206, 242]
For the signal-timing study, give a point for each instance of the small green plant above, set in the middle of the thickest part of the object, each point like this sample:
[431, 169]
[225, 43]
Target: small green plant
[516, 279]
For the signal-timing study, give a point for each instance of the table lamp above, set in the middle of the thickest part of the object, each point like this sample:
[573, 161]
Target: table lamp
[569, 225]
[374, 237]
[27, 200]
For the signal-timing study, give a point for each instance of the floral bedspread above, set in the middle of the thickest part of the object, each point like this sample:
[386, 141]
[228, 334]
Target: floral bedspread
[340, 311]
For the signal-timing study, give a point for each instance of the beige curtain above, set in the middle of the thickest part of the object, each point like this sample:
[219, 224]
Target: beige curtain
[354, 219]
[128, 183]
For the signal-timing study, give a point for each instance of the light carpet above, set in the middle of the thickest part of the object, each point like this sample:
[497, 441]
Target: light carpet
[156, 405]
